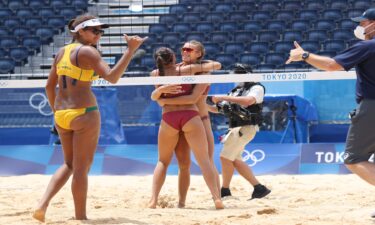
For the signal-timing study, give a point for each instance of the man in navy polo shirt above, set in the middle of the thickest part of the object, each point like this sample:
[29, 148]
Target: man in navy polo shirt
[360, 143]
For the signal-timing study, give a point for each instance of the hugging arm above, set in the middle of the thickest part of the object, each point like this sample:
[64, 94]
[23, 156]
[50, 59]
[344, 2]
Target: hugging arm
[163, 89]
[207, 66]
[185, 99]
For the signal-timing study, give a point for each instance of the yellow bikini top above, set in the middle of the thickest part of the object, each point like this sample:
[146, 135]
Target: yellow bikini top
[65, 67]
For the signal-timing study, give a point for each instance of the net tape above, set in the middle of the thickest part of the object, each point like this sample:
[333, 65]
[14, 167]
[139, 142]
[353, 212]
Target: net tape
[196, 79]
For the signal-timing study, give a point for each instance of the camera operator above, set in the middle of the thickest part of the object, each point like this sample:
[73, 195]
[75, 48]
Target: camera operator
[243, 107]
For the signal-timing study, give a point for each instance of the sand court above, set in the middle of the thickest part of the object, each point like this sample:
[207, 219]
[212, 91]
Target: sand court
[295, 199]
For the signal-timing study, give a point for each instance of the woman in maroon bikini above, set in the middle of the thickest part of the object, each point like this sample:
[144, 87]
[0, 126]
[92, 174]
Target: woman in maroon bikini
[181, 118]
[193, 52]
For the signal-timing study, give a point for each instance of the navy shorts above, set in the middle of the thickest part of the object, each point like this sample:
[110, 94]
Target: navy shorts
[360, 142]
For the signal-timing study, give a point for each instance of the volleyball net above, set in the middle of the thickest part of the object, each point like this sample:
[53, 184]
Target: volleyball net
[293, 102]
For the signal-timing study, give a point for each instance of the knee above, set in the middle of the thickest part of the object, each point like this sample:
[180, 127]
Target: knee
[163, 163]
[80, 173]
[69, 165]
[184, 166]
[81, 170]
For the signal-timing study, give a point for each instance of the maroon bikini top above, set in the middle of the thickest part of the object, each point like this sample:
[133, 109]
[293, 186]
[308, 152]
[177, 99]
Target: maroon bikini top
[186, 89]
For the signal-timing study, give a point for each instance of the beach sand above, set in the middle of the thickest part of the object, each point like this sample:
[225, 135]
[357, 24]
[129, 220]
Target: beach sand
[295, 199]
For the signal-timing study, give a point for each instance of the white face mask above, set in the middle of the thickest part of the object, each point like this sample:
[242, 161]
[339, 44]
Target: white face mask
[359, 32]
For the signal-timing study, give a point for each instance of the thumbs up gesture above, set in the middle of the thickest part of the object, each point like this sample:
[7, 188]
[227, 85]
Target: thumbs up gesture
[295, 54]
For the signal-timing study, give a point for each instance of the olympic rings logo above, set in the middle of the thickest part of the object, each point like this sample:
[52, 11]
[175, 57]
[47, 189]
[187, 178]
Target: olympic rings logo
[39, 101]
[255, 156]
[188, 79]
[3, 83]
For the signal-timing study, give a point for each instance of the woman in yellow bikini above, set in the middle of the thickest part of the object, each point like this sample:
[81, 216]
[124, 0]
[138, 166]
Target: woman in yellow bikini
[75, 109]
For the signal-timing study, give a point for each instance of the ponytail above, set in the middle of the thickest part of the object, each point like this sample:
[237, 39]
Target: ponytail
[160, 65]
[163, 57]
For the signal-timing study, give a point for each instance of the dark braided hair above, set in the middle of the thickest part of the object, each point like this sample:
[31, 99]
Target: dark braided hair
[163, 57]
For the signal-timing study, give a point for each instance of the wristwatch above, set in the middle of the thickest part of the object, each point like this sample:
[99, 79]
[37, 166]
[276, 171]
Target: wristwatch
[305, 55]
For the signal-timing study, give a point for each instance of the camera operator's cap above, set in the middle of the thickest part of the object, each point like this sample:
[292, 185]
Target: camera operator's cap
[89, 23]
[367, 15]
[240, 68]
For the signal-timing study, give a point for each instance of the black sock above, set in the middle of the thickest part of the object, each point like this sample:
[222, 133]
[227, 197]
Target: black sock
[225, 192]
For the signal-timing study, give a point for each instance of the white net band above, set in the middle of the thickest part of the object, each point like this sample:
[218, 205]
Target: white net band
[227, 78]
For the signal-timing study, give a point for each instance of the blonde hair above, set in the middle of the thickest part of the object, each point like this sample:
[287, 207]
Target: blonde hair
[200, 48]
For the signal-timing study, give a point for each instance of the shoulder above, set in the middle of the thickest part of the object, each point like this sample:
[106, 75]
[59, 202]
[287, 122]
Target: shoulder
[59, 54]
[257, 88]
[368, 45]
[154, 73]
[367, 42]
[365, 45]
[88, 51]
[356, 52]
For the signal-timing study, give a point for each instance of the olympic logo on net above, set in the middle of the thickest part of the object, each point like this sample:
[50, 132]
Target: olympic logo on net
[188, 79]
[255, 156]
[40, 102]
[3, 83]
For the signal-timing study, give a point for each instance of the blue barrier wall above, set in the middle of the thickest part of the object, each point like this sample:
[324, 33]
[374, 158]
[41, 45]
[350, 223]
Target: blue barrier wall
[141, 159]
[26, 118]
[29, 135]
[129, 116]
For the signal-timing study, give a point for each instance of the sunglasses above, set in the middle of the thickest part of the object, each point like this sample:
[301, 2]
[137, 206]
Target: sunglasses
[95, 31]
[184, 49]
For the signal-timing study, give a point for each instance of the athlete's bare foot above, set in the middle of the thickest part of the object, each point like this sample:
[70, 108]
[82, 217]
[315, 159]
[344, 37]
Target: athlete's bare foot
[81, 218]
[181, 205]
[219, 204]
[39, 215]
[151, 205]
